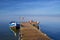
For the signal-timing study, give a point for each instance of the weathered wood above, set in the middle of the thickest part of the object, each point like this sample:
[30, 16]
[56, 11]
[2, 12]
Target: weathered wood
[30, 32]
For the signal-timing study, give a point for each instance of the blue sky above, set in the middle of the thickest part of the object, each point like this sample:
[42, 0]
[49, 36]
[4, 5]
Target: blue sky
[29, 7]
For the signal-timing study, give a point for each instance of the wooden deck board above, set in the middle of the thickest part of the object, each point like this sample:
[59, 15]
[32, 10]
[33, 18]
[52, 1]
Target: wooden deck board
[30, 32]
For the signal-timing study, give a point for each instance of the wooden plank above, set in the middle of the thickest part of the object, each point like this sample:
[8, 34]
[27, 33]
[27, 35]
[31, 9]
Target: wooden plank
[29, 32]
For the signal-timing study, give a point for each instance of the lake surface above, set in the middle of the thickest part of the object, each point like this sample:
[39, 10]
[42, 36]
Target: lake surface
[48, 25]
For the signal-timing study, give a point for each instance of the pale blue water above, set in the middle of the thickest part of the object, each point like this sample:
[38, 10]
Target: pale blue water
[48, 25]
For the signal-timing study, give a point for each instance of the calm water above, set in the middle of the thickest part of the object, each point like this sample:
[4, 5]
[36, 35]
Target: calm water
[5, 33]
[48, 25]
[51, 29]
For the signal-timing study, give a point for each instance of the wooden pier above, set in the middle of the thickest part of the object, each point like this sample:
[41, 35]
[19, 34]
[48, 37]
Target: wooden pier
[30, 31]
